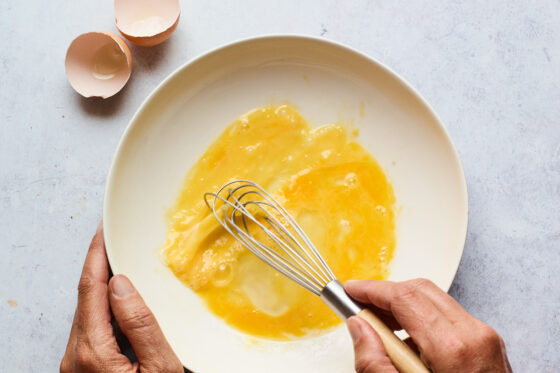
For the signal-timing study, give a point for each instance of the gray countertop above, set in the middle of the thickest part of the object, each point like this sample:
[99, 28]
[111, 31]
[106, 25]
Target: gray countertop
[491, 70]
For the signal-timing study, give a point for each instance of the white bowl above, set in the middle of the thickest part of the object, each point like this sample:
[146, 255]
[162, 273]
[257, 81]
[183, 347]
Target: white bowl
[327, 82]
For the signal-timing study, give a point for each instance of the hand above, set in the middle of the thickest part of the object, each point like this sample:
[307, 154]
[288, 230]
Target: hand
[92, 346]
[447, 337]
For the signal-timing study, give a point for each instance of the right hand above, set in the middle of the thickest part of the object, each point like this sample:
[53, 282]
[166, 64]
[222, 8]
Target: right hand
[447, 337]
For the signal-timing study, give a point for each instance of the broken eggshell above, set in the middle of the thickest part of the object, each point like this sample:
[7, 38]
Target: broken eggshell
[98, 64]
[147, 22]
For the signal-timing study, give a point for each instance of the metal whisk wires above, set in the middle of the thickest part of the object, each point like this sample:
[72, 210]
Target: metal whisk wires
[247, 212]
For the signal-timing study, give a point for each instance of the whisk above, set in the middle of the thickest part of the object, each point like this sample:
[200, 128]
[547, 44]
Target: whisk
[265, 228]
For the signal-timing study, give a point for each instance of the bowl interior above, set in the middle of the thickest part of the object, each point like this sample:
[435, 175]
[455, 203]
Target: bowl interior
[328, 83]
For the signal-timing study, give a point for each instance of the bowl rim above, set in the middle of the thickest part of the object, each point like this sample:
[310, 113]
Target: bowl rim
[273, 37]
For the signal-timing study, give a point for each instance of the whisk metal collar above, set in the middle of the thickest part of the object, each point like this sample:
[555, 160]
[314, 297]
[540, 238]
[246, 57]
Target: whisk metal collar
[336, 298]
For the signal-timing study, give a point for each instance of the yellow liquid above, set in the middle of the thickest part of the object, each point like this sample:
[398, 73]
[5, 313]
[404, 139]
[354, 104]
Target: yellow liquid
[329, 183]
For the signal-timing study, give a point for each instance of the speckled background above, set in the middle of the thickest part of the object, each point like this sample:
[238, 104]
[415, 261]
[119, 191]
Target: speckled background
[491, 69]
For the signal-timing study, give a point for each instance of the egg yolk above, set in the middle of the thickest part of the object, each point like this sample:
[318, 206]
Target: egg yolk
[328, 182]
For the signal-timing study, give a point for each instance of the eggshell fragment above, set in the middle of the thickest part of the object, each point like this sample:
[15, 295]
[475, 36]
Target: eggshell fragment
[147, 22]
[98, 64]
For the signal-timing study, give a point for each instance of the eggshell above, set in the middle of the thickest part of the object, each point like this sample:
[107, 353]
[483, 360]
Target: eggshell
[98, 64]
[147, 22]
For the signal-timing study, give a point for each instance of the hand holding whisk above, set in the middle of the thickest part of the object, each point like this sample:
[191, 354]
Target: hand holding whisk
[265, 228]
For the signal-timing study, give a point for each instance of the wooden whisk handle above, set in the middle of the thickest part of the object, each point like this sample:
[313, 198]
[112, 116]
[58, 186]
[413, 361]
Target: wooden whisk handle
[400, 354]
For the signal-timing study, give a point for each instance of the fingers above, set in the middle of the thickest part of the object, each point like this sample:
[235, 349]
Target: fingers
[93, 306]
[382, 294]
[444, 302]
[378, 293]
[413, 310]
[448, 338]
[96, 266]
[141, 328]
[91, 345]
[370, 355]
[66, 362]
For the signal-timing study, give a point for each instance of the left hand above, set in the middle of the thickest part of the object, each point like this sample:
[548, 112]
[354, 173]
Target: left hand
[92, 346]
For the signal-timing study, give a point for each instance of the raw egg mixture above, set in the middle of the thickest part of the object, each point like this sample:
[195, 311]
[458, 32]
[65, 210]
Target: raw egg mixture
[328, 182]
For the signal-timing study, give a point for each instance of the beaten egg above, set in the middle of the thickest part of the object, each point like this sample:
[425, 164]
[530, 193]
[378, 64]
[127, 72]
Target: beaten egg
[326, 180]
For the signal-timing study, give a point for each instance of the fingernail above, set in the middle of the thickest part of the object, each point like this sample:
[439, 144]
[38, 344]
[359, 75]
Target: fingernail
[355, 329]
[99, 227]
[121, 286]
[350, 284]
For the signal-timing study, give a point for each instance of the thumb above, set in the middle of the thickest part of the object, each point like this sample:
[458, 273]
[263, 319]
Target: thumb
[139, 325]
[370, 355]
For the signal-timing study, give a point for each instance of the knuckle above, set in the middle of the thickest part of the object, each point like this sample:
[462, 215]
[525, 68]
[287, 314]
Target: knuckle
[404, 291]
[84, 357]
[176, 367]
[365, 365]
[65, 366]
[372, 366]
[173, 368]
[488, 336]
[161, 366]
[139, 319]
[408, 289]
[456, 348]
[85, 285]
[421, 283]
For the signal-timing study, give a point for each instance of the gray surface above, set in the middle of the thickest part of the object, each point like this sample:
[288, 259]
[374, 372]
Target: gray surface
[491, 69]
